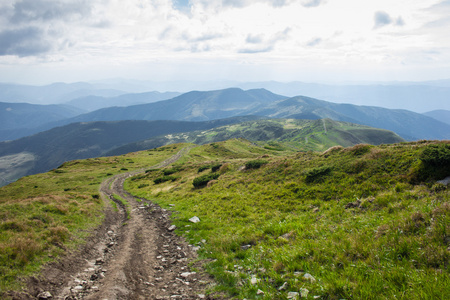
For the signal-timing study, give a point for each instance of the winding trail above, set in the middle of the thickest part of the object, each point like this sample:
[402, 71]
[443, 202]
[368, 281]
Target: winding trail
[134, 255]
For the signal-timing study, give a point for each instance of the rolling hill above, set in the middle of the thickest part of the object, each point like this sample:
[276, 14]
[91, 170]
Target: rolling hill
[440, 115]
[47, 150]
[21, 119]
[210, 105]
[316, 135]
[407, 124]
[191, 106]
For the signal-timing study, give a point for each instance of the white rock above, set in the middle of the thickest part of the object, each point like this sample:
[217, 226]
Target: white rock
[283, 286]
[187, 274]
[292, 295]
[45, 295]
[259, 292]
[304, 293]
[254, 280]
[194, 219]
[309, 277]
[172, 228]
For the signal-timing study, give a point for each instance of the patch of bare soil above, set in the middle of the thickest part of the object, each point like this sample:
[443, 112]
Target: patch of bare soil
[132, 255]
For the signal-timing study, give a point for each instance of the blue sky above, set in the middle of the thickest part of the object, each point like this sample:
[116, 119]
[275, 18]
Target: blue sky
[43, 41]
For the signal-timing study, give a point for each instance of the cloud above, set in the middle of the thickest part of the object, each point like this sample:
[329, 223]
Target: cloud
[245, 3]
[25, 11]
[255, 50]
[441, 7]
[313, 3]
[314, 42]
[382, 19]
[23, 42]
[254, 39]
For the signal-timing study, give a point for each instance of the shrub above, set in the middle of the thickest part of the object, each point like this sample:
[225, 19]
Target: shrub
[215, 167]
[164, 179]
[434, 163]
[203, 168]
[204, 179]
[317, 174]
[255, 164]
[171, 171]
[359, 149]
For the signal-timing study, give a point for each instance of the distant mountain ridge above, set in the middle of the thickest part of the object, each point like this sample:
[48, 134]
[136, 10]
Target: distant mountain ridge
[440, 115]
[46, 150]
[25, 115]
[191, 106]
[92, 103]
[55, 93]
[409, 125]
[209, 105]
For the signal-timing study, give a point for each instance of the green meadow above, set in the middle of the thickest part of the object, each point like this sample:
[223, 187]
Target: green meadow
[364, 222]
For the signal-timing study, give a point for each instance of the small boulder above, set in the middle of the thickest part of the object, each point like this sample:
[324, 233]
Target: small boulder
[194, 219]
[309, 277]
[45, 295]
[283, 287]
[304, 293]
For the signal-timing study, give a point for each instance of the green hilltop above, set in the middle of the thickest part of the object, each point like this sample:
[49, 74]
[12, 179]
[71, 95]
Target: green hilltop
[315, 135]
[361, 222]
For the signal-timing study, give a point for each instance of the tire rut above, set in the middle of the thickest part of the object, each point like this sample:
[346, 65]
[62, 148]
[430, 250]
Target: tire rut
[134, 254]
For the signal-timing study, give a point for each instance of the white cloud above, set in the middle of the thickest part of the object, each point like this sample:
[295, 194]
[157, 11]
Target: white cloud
[279, 34]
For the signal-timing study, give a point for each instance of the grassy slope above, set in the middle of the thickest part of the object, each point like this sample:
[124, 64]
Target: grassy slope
[44, 215]
[316, 135]
[357, 219]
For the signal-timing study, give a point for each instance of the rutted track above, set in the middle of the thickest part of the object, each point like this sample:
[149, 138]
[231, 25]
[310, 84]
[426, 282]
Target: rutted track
[133, 255]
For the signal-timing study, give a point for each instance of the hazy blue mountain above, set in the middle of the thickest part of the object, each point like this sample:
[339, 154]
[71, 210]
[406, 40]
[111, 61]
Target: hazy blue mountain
[409, 125]
[55, 93]
[191, 106]
[440, 115]
[198, 106]
[91, 103]
[24, 115]
[47, 150]
[415, 96]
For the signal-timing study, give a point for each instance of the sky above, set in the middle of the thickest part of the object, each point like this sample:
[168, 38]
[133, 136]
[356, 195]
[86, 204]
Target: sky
[43, 41]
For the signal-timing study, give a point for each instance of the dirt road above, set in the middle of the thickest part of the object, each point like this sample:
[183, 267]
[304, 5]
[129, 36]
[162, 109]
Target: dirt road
[134, 255]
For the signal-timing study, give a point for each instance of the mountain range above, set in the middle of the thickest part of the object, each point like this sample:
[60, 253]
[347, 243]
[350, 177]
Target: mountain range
[47, 150]
[210, 105]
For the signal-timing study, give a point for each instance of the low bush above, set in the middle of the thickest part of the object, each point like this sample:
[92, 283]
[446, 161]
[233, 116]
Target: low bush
[204, 179]
[171, 171]
[255, 164]
[164, 179]
[316, 174]
[216, 167]
[203, 168]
